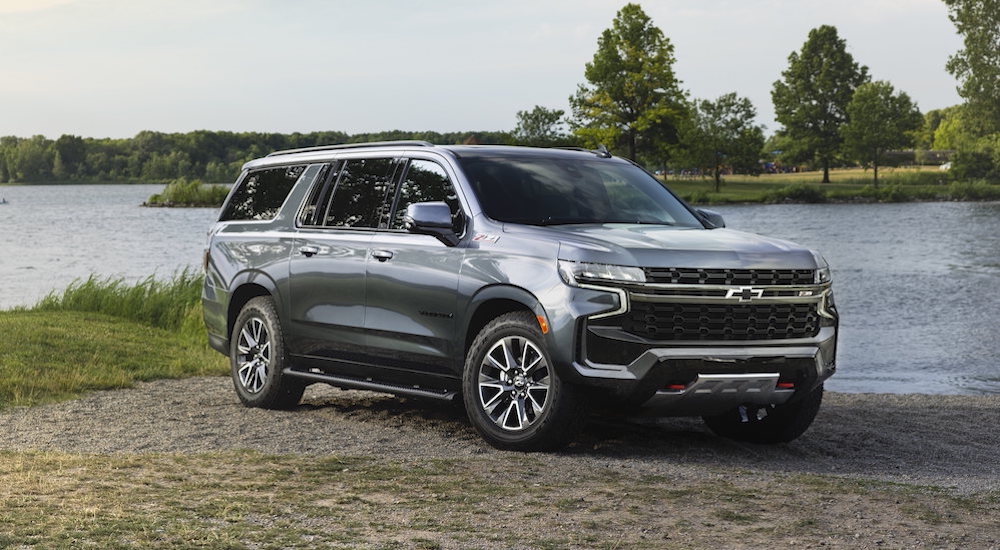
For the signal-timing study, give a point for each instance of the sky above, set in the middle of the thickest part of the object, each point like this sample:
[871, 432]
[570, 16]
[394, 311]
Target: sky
[111, 68]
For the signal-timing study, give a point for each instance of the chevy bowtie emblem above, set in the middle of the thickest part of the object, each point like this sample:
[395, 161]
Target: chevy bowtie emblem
[745, 293]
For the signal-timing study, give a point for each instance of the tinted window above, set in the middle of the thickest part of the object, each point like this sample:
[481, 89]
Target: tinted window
[551, 191]
[311, 214]
[360, 193]
[426, 181]
[261, 194]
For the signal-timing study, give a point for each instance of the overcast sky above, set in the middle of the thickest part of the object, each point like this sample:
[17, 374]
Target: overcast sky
[110, 68]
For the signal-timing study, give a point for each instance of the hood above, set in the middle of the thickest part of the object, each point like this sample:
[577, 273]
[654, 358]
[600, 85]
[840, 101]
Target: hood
[665, 246]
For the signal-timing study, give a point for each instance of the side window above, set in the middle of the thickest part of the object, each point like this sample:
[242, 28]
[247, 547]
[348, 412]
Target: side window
[426, 181]
[312, 213]
[261, 194]
[360, 192]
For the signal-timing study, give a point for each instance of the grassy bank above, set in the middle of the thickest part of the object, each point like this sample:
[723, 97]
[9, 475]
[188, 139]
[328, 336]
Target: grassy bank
[103, 334]
[848, 185]
[193, 193]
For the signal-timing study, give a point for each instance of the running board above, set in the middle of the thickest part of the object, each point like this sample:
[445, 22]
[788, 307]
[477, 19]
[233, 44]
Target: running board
[358, 384]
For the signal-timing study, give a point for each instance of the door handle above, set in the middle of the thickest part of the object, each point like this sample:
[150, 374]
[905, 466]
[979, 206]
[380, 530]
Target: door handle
[381, 255]
[308, 251]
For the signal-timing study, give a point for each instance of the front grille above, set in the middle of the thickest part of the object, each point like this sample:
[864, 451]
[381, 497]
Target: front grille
[667, 321]
[693, 276]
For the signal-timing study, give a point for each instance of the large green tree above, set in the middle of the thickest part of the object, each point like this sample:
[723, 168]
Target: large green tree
[632, 98]
[879, 120]
[977, 65]
[811, 99]
[540, 127]
[722, 133]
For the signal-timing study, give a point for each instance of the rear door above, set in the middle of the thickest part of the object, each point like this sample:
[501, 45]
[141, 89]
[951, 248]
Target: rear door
[327, 282]
[413, 279]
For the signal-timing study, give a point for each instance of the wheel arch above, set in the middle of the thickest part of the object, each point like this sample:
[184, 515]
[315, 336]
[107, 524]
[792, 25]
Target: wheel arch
[245, 287]
[491, 302]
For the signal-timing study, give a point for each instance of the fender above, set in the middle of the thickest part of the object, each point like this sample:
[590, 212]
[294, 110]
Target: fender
[505, 292]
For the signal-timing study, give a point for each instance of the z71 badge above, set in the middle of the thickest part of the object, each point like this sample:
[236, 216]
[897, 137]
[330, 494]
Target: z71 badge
[486, 237]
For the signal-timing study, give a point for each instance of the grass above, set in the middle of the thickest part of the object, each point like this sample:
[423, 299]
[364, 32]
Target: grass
[193, 193]
[250, 500]
[847, 185]
[103, 334]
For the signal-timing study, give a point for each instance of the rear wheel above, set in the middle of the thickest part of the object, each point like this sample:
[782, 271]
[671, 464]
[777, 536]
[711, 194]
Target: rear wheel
[768, 423]
[513, 395]
[257, 358]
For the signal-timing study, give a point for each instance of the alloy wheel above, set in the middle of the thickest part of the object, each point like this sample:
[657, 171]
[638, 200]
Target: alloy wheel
[254, 355]
[514, 383]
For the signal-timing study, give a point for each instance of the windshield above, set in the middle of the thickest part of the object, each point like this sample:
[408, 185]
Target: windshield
[553, 191]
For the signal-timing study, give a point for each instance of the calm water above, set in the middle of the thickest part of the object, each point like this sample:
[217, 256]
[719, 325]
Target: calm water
[917, 285]
[53, 234]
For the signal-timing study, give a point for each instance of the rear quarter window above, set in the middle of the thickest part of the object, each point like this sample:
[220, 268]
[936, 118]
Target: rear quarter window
[260, 195]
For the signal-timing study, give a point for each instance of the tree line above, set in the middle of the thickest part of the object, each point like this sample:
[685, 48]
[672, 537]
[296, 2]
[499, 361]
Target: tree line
[155, 156]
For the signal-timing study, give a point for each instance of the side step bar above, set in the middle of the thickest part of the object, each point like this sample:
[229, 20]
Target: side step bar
[359, 384]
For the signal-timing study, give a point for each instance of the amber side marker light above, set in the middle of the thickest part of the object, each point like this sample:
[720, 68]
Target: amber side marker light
[543, 323]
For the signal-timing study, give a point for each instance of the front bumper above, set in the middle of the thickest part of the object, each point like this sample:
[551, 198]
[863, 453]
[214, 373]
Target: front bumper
[709, 379]
[708, 376]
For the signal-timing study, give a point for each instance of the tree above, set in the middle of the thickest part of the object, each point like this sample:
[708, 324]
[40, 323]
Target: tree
[879, 120]
[811, 100]
[722, 133]
[540, 127]
[633, 99]
[977, 66]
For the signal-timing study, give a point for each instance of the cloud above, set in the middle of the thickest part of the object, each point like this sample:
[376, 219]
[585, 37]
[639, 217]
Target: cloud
[27, 6]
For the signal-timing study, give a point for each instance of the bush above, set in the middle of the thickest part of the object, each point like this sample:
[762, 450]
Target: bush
[182, 192]
[698, 197]
[796, 193]
[974, 191]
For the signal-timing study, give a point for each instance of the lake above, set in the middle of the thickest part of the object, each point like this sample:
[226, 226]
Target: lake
[917, 285]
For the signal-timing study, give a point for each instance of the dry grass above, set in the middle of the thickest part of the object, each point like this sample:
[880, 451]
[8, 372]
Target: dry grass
[248, 500]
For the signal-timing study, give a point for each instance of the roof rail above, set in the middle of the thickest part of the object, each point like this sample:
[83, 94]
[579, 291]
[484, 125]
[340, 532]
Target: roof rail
[410, 142]
[601, 150]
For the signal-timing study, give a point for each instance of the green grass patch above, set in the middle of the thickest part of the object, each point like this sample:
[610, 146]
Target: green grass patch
[190, 193]
[104, 334]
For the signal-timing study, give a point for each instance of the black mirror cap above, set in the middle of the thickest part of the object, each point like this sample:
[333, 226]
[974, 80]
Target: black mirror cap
[431, 218]
[712, 217]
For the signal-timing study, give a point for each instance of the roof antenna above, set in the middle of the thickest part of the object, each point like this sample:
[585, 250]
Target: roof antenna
[603, 151]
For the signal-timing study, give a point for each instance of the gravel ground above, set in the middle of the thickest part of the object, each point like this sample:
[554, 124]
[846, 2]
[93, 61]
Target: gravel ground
[944, 441]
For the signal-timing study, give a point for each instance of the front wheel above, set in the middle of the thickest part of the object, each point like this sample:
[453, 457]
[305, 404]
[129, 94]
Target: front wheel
[768, 423]
[257, 357]
[513, 394]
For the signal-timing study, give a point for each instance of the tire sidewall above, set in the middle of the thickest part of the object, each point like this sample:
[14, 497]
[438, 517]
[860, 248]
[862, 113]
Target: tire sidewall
[539, 433]
[263, 309]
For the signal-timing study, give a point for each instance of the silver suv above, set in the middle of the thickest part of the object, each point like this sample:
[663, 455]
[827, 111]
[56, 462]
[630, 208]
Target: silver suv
[536, 285]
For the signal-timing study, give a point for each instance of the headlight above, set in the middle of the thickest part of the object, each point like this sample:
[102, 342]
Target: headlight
[822, 268]
[573, 273]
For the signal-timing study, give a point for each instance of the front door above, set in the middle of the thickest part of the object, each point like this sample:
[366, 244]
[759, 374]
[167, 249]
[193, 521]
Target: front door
[413, 281]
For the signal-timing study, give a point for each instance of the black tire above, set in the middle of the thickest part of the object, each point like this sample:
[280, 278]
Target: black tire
[257, 358]
[768, 423]
[544, 419]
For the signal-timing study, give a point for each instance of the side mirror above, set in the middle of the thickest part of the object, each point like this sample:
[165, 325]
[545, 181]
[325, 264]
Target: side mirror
[712, 217]
[431, 218]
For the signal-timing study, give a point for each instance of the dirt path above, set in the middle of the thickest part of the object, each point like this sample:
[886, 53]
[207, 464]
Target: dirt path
[950, 442]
